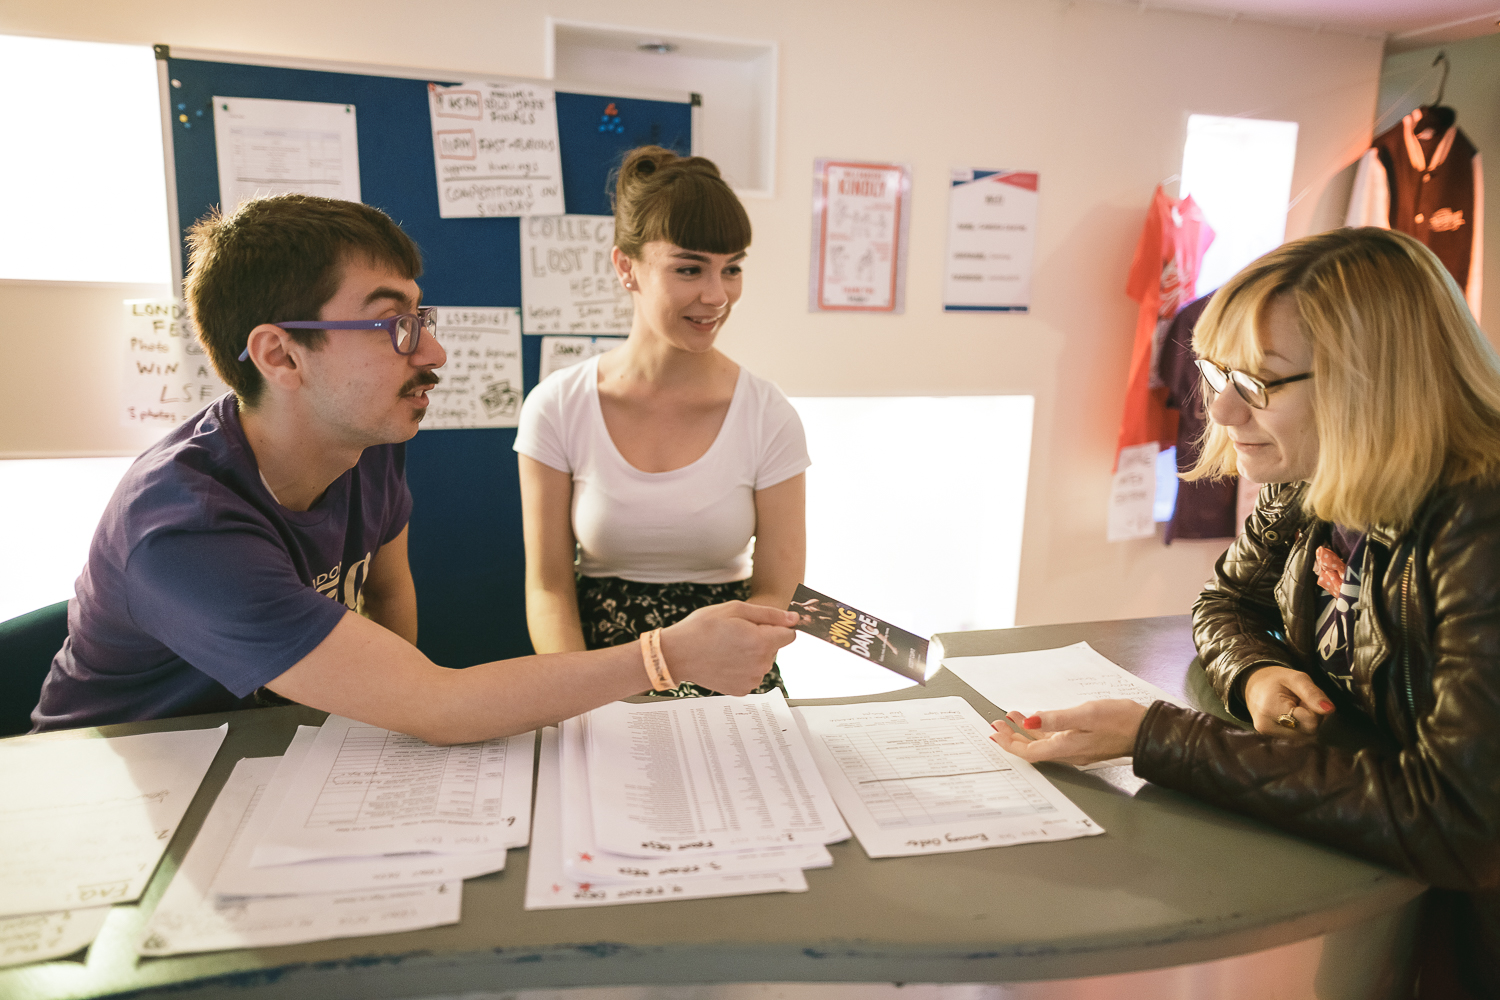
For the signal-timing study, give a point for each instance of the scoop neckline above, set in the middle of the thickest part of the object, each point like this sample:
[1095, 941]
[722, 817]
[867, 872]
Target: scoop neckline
[593, 389]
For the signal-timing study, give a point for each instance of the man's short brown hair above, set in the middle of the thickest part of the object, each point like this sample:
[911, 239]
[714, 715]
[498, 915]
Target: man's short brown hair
[278, 260]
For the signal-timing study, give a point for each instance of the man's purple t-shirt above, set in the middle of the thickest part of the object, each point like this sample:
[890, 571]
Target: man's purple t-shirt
[200, 587]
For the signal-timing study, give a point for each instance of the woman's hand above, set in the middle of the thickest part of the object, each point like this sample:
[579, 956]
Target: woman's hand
[1093, 731]
[1272, 693]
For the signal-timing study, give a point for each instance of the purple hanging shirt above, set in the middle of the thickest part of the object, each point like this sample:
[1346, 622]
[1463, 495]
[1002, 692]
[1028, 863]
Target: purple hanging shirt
[200, 587]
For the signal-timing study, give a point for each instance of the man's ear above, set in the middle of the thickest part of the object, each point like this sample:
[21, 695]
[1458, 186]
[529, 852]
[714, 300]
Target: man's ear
[276, 355]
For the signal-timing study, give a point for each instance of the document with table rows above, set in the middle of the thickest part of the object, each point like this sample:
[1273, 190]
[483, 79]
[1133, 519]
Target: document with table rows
[922, 776]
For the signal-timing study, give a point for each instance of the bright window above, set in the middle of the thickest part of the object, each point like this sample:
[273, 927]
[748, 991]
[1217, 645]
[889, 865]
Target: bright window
[82, 181]
[915, 507]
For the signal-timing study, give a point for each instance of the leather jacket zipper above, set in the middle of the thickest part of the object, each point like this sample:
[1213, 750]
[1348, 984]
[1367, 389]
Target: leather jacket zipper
[1411, 699]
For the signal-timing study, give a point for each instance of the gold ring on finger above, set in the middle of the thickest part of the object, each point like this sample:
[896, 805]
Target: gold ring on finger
[1288, 720]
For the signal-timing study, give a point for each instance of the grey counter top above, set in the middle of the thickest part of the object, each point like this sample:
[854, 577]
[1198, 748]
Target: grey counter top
[1171, 882]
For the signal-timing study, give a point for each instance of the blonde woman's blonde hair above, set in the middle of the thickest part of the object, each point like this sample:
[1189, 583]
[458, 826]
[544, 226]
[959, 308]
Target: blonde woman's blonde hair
[1406, 387]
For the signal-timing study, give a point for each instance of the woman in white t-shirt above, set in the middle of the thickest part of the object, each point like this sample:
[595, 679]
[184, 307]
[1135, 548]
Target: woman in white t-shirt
[647, 470]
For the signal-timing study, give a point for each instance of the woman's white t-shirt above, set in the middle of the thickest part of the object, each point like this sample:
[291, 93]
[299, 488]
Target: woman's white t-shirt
[690, 525]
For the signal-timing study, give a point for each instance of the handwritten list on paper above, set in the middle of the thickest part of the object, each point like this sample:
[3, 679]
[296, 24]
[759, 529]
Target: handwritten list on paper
[496, 149]
[568, 284]
[481, 384]
[165, 377]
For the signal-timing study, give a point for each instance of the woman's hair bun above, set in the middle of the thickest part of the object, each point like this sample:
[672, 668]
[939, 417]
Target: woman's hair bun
[684, 200]
[645, 166]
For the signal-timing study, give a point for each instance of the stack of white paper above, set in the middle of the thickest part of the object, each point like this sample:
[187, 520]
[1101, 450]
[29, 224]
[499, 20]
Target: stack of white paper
[678, 799]
[83, 824]
[922, 777]
[354, 831]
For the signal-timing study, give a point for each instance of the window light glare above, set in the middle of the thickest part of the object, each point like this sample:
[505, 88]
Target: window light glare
[86, 201]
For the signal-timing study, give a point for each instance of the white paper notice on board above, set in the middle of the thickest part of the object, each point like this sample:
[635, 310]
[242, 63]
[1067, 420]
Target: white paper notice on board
[284, 147]
[495, 145]
[565, 352]
[860, 221]
[991, 241]
[165, 376]
[1132, 494]
[481, 381]
[568, 284]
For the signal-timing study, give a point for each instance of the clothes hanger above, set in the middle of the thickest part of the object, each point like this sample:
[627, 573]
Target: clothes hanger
[1435, 116]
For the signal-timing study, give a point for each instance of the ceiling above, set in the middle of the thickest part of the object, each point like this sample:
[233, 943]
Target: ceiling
[1405, 24]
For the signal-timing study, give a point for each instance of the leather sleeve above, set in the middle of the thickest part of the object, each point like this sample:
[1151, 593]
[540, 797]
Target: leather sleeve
[1237, 625]
[1430, 808]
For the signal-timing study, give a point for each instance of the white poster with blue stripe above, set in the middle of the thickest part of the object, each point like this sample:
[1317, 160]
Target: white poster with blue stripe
[991, 241]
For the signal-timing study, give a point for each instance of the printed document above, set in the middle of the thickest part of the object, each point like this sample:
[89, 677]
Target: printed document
[694, 776]
[364, 791]
[583, 860]
[1042, 679]
[922, 777]
[268, 147]
[548, 886]
[37, 937]
[83, 823]
[235, 877]
[190, 917]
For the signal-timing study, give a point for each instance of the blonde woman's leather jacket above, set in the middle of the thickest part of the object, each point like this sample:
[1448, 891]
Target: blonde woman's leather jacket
[1409, 775]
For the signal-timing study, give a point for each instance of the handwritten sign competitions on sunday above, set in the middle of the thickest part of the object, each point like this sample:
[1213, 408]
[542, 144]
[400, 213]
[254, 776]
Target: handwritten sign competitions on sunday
[481, 384]
[991, 241]
[568, 284]
[496, 149]
[166, 376]
[860, 228]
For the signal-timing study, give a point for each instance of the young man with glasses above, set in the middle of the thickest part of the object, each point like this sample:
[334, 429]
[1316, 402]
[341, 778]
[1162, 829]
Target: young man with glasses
[239, 552]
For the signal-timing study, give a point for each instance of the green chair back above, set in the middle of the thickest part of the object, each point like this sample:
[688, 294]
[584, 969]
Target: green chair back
[27, 645]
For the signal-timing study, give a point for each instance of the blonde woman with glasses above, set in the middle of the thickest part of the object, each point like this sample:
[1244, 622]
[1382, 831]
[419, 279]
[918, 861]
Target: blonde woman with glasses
[1356, 622]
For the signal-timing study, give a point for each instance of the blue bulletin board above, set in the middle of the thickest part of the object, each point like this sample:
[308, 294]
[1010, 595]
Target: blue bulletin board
[466, 551]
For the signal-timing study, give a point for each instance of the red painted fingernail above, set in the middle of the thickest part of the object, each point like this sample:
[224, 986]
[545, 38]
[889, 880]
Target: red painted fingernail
[1326, 706]
[1035, 722]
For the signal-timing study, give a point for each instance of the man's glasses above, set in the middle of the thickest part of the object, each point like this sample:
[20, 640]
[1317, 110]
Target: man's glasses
[405, 330]
[1251, 389]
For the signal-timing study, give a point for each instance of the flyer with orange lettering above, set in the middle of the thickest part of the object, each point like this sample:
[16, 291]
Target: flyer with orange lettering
[865, 635]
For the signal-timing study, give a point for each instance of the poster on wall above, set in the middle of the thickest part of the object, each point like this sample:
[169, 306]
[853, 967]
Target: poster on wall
[860, 222]
[568, 283]
[496, 149]
[565, 352]
[165, 377]
[481, 380]
[991, 241]
[267, 147]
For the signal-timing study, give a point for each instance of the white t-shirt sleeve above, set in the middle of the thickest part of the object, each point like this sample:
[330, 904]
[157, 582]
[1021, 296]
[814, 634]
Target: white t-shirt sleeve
[540, 433]
[783, 452]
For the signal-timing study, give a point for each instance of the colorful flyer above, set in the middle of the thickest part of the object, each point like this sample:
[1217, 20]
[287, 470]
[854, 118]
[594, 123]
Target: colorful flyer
[860, 222]
[495, 146]
[865, 635]
[991, 241]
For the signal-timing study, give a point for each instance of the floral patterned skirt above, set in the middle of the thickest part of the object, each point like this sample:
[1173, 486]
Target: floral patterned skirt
[615, 611]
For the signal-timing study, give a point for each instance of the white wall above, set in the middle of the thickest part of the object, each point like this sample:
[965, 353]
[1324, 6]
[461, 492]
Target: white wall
[1094, 95]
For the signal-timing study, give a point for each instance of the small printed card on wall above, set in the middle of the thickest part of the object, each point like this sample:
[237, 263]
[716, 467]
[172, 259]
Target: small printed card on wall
[481, 381]
[568, 284]
[865, 635]
[860, 221]
[166, 377]
[991, 241]
[565, 352]
[496, 149]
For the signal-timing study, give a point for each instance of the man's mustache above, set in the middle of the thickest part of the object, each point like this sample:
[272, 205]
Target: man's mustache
[419, 380]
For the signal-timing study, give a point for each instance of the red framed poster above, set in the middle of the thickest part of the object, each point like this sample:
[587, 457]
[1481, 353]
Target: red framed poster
[860, 224]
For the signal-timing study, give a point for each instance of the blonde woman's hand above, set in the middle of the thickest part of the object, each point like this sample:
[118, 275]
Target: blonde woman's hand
[1093, 731]
[1280, 696]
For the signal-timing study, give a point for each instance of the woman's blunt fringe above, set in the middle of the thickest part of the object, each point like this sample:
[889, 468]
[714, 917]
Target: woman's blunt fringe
[1407, 387]
[680, 199]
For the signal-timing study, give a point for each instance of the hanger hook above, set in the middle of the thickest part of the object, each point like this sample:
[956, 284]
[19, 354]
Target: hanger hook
[1442, 57]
